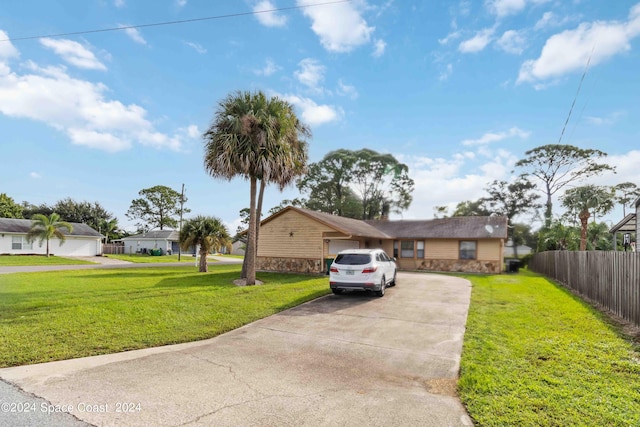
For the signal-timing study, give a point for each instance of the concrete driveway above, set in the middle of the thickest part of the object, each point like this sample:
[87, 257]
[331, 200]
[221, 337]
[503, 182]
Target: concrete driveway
[339, 360]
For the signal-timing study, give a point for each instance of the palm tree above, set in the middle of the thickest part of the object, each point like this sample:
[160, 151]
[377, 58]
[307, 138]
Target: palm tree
[108, 228]
[46, 228]
[583, 200]
[259, 139]
[205, 232]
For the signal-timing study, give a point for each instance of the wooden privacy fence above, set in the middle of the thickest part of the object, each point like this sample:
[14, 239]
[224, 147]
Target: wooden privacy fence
[112, 248]
[611, 279]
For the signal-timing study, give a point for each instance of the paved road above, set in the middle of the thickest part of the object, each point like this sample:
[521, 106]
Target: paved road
[105, 262]
[339, 360]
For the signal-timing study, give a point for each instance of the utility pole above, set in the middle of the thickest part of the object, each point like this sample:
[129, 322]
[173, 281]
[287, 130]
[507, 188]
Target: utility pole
[180, 225]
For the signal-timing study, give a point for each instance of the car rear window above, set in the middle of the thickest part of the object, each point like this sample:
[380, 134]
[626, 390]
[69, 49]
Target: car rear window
[353, 259]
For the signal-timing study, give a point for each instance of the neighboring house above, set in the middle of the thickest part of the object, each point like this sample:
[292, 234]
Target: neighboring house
[521, 250]
[629, 225]
[299, 240]
[82, 241]
[167, 240]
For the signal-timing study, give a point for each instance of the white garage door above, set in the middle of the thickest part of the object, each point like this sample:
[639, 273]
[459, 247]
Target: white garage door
[336, 246]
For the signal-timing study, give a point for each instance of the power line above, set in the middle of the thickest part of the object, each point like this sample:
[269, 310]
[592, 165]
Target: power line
[183, 21]
[576, 96]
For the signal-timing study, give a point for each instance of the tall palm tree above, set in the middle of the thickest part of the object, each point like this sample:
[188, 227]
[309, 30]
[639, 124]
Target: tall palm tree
[583, 200]
[259, 139]
[45, 228]
[205, 232]
[108, 228]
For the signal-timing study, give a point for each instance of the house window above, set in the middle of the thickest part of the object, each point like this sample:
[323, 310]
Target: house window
[406, 249]
[19, 243]
[468, 249]
[420, 249]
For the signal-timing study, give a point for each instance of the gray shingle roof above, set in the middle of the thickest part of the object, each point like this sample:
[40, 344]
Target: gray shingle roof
[472, 227]
[22, 226]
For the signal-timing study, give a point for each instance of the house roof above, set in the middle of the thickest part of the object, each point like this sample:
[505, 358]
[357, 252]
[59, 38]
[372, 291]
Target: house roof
[627, 225]
[22, 226]
[171, 235]
[468, 227]
[474, 227]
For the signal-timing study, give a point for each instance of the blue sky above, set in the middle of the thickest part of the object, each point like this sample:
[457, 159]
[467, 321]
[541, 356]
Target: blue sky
[456, 90]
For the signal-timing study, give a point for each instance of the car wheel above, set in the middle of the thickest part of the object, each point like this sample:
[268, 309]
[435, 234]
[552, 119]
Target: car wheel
[393, 282]
[383, 285]
[336, 291]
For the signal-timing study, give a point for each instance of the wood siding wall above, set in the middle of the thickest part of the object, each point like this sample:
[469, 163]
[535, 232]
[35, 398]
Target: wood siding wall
[292, 236]
[611, 279]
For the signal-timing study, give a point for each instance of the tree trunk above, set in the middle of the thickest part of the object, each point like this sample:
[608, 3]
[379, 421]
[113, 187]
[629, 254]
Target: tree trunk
[47, 248]
[259, 214]
[250, 255]
[584, 221]
[203, 266]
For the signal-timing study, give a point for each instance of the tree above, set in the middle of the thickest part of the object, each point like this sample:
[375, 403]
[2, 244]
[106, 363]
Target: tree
[512, 199]
[108, 228]
[558, 237]
[259, 139]
[9, 208]
[598, 237]
[92, 214]
[206, 233]
[29, 210]
[45, 228]
[472, 208]
[559, 165]
[582, 201]
[300, 203]
[626, 193]
[158, 207]
[358, 184]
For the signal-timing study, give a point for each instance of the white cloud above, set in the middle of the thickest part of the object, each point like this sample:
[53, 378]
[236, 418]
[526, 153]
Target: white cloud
[268, 19]
[340, 26]
[312, 113]
[607, 120]
[35, 175]
[79, 109]
[489, 137]
[193, 132]
[134, 35]
[446, 73]
[311, 74]
[197, 47]
[502, 8]
[181, 3]
[269, 68]
[512, 41]
[449, 37]
[118, 3]
[379, 47]
[73, 53]
[347, 90]
[569, 50]
[7, 50]
[477, 42]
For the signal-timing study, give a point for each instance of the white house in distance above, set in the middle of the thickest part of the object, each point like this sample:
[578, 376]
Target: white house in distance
[82, 241]
[167, 240]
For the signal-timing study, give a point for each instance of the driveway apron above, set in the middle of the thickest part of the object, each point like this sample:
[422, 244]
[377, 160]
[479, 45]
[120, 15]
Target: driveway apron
[351, 359]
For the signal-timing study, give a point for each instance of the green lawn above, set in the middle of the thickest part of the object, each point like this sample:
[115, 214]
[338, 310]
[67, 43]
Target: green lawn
[144, 258]
[535, 355]
[67, 314]
[24, 260]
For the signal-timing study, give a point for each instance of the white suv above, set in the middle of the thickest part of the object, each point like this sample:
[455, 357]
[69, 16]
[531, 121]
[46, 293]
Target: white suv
[362, 269]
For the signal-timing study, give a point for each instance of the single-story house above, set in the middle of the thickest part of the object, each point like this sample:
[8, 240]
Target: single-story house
[301, 240]
[167, 240]
[82, 241]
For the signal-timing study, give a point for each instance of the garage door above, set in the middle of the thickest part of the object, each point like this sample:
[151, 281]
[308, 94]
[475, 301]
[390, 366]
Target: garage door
[336, 246]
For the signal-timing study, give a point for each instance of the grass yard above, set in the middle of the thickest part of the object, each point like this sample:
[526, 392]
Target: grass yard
[67, 314]
[25, 260]
[535, 355]
[145, 258]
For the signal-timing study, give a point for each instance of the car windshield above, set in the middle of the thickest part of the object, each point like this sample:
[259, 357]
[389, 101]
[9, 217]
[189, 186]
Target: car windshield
[353, 259]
